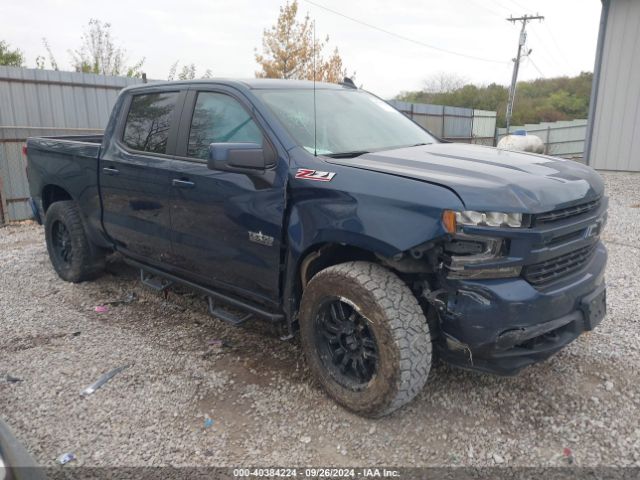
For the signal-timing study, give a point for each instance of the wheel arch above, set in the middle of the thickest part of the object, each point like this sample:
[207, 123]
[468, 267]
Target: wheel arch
[320, 256]
[52, 193]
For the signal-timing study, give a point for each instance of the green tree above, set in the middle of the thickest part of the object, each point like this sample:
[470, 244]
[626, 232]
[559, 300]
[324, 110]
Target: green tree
[10, 57]
[540, 100]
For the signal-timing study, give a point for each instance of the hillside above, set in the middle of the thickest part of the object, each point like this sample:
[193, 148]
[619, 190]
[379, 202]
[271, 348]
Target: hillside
[541, 100]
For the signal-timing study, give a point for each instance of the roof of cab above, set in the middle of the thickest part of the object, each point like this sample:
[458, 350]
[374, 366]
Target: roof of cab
[251, 83]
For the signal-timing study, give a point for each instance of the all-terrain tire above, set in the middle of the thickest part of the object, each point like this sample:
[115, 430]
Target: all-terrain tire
[73, 256]
[398, 325]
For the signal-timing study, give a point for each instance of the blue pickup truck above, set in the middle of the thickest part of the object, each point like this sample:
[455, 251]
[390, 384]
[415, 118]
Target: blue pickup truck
[326, 211]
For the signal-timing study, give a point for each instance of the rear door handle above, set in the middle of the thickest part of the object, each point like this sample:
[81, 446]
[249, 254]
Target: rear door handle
[111, 171]
[178, 183]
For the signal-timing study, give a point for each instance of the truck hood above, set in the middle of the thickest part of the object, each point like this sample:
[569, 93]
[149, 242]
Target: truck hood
[487, 178]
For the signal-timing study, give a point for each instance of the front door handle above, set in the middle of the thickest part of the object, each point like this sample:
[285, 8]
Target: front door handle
[111, 171]
[178, 183]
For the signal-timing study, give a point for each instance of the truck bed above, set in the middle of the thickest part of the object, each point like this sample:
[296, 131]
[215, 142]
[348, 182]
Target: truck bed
[83, 145]
[66, 164]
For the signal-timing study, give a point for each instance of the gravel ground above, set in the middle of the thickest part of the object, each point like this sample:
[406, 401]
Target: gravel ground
[264, 406]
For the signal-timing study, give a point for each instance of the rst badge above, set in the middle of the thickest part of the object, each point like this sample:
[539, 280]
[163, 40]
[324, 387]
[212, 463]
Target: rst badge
[261, 238]
[317, 175]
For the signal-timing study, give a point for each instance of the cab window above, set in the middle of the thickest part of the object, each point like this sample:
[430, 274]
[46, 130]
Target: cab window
[219, 118]
[148, 121]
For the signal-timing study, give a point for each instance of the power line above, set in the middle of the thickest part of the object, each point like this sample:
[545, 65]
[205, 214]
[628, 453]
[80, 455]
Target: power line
[551, 55]
[519, 5]
[551, 35]
[402, 37]
[535, 66]
[553, 39]
[498, 4]
[485, 7]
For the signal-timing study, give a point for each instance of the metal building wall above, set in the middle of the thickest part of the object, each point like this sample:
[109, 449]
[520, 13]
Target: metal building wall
[40, 103]
[615, 137]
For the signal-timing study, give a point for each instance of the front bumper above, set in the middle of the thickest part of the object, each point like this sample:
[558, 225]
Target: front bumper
[502, 326]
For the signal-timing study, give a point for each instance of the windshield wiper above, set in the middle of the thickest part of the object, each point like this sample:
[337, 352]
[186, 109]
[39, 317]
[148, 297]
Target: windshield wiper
[353, 154]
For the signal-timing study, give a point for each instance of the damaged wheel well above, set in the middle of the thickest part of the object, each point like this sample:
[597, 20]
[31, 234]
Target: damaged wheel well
[328, 255]
[415, 266]
[422, 259]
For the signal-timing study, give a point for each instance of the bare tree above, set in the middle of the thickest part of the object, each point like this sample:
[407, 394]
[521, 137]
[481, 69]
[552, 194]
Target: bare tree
[188, 72]
[443, 82]
[99, 54]
[41, 60]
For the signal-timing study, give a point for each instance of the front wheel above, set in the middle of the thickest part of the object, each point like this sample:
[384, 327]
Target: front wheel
[72, 254]
[365, 337]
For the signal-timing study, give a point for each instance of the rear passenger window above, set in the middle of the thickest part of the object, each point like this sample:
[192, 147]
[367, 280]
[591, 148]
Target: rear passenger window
[148, 121]
[219, 118]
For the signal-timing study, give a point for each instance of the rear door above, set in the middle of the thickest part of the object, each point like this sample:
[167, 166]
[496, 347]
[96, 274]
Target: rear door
[135, 175]
[227, 227]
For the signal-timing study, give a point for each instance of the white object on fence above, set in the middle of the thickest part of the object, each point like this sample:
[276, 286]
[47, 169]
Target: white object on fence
[522, 143]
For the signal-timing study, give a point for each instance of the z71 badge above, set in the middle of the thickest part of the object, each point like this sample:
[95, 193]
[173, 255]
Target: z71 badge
[316, 175]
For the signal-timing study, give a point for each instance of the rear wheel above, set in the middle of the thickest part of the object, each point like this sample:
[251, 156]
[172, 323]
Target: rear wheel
[72, 254]
[365, 337]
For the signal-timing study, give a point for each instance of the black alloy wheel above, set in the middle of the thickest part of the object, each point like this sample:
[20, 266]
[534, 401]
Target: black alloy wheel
[346, 344]
[73, 256]
[61, 242]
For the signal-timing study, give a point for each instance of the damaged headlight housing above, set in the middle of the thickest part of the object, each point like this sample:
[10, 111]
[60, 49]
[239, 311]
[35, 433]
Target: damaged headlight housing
[465, 254]
[453, 221]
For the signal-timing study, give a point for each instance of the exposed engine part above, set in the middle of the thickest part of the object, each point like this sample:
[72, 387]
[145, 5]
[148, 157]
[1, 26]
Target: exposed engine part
[421, 259]
[432, 298]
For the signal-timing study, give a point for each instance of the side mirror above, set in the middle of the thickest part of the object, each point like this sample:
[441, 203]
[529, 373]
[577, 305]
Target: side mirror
[237, 157]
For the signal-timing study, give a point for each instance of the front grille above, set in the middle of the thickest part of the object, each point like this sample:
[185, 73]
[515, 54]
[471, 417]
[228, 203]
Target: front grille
[546, 272]
[563, 213]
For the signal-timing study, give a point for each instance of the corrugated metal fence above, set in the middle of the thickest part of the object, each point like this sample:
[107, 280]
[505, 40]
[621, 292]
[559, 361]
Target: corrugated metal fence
[457, 124]
[562, 139]
[43, 102]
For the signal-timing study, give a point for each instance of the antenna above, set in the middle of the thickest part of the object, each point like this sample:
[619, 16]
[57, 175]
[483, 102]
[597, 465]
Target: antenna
[315, 121]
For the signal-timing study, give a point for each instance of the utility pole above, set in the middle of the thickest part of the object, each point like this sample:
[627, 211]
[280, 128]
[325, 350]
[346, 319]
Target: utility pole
[516, 61]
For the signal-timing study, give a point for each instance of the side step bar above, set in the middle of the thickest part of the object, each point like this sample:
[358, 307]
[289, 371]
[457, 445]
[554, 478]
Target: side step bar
[158, 284]
[213, 296]
[225, 315]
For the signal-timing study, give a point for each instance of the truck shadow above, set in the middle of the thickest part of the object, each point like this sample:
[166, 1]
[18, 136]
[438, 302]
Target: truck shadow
[254, 357]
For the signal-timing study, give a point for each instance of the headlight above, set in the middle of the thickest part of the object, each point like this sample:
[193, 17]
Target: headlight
[465, 254]
[454, 220]
[470, 251]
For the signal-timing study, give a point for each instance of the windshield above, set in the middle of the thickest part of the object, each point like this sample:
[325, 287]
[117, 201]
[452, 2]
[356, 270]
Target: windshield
[349, 122]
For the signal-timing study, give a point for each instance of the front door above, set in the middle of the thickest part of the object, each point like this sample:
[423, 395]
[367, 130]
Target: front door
[135, 176]
[227, 227]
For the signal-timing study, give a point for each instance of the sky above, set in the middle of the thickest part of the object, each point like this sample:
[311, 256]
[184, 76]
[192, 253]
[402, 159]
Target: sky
[221, 35]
